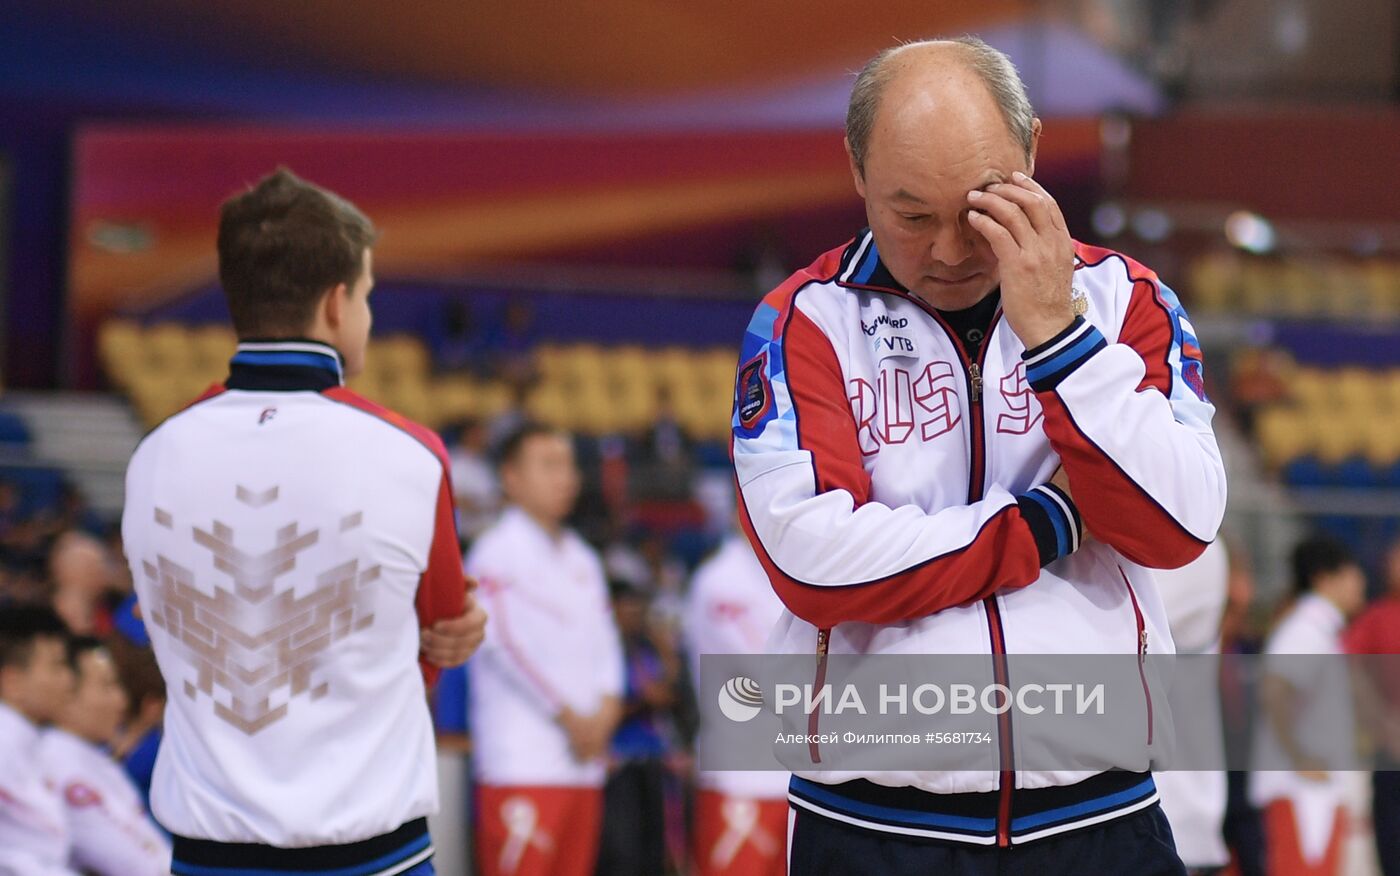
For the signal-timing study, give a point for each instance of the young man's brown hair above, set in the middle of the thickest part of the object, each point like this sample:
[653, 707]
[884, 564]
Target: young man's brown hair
[282, 245]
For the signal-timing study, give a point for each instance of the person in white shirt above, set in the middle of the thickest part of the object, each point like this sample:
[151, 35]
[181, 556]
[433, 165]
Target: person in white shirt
[740, 817]
[112, 835]
[546, 686]
[1194, 800]
[474, 487]
[35, 681]
[294, 551]
[1308, 713]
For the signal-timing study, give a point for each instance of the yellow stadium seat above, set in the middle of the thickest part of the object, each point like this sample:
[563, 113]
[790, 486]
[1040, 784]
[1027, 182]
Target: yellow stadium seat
[1284, 433]
[672, 366]
[1297, 291]
[412, 399]
[1336, 437]
[591, 411]
[1381, 441]
[582, 366]
[119, 347]
[551, 361]
[1311, 387]
[168, 345]
[402, 354]
[1391, 389]
[454, 398]
[1211, 279]
[550, 406]
[1357, 389]
[493, 398]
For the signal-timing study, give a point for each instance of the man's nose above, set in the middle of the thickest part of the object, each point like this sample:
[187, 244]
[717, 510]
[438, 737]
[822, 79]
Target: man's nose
[952, 243]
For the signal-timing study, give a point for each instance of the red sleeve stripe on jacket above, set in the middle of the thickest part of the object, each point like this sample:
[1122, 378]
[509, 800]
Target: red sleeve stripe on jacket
[1123, 513]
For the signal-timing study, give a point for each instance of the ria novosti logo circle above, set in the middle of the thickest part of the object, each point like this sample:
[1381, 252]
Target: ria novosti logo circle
[741, 699]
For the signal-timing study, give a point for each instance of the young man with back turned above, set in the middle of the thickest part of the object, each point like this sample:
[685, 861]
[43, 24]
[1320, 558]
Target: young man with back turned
[295, 557]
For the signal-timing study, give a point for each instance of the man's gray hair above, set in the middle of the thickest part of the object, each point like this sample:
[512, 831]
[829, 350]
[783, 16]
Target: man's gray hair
[993, 67]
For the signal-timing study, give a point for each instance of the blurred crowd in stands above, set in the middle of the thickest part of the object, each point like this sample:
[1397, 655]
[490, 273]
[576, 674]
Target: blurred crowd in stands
[654, 504]
[62, 557]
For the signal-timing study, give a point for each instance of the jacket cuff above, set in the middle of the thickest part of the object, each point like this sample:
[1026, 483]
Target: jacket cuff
[1056, 359]
[1053, 521]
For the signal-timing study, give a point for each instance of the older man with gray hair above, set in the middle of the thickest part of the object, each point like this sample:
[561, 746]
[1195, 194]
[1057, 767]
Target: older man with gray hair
[930, 422]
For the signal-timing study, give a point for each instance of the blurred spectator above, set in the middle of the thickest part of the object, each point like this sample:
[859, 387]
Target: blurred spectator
[474, 487]
[665, 441]
[24, 535]
[545, 687]
[459, 342]
[666, 575]
[1195, 596]
[510, 347]
[1243, 829]
[1307, 708]
[624, 562]
[1259, 377]
[740, 817]
[10, 516]
[634, 819]
[139, 740]
[112, 833]
[35, 684]
[82, 573]
[1377, 631]
[73, 511]
[509, 421]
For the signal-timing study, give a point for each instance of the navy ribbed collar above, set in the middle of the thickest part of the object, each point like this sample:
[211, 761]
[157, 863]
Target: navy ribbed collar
[285, 365]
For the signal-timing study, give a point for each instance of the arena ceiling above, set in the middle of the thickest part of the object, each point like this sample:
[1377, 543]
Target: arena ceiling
[600, 47]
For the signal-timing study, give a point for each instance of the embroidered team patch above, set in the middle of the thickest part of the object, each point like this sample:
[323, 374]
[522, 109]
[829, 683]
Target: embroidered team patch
[1191, 373]
[754, 395]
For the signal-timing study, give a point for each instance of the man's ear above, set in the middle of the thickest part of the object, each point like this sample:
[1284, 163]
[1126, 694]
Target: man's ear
[334, 305]
[1035, 142]
[856, 175]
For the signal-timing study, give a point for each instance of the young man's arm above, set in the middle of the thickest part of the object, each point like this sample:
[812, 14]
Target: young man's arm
[452, 623]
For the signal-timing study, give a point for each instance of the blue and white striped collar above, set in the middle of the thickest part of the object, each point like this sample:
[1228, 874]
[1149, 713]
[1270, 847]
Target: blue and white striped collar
[862, 268]
[291, 363]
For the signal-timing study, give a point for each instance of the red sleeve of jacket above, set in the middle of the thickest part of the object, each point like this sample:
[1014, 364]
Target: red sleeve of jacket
[442, 588]
[1136, 444]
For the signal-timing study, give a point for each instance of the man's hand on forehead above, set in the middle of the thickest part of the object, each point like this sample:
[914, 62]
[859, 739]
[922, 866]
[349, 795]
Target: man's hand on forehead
[1027, 232]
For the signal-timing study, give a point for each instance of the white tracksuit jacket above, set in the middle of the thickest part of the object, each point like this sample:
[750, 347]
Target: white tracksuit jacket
[112, 833]
[550, 642]
[289, 540]
[895, 491]
[731, 609]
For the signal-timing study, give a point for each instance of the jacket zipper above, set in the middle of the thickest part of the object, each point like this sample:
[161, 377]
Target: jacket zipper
[814, 718]
[976, 486]
[1142, 650]
[977, 474]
